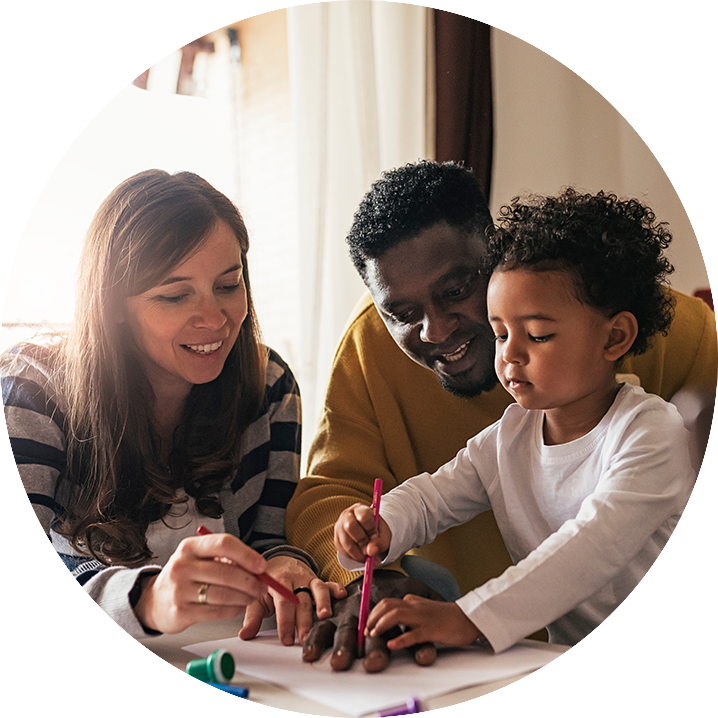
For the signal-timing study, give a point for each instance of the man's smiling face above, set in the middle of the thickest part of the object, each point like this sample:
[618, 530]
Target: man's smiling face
[432, 298]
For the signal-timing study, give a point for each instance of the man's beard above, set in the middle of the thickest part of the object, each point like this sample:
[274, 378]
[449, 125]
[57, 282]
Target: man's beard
[487, 383]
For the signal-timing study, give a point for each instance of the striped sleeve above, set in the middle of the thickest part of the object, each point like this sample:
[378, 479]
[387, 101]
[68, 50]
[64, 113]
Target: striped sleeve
[269, 468]
[34, 425]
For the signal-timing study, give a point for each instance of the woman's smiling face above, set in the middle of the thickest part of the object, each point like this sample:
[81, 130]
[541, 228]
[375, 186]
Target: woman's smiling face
[186, 325]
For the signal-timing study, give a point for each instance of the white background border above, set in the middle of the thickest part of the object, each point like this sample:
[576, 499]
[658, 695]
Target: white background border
[62, 62]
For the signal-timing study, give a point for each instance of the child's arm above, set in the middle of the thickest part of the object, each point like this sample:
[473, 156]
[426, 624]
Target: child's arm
[426, 621]
[357, 536]
[572, 576]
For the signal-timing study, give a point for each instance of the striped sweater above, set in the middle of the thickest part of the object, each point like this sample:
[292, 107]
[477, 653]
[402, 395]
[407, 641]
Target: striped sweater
[254, 502]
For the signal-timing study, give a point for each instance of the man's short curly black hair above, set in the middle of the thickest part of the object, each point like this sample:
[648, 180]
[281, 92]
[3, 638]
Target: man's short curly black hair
[405, 201]
[614, 247]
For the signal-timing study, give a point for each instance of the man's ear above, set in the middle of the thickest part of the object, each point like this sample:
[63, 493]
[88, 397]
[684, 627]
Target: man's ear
[623, 330]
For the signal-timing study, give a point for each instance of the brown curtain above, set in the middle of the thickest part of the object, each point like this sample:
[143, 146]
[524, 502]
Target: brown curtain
[464, 102]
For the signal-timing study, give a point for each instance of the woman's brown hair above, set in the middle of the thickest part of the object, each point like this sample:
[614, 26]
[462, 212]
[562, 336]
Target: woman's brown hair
[115, 481]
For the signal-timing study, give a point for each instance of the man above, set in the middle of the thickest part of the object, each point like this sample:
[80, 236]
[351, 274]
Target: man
[413, 376]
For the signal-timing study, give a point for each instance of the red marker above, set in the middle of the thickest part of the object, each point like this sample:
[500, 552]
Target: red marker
[263, 577]
[368, 571]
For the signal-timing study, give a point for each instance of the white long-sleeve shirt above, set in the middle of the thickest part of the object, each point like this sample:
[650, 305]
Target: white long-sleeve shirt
[583, 521]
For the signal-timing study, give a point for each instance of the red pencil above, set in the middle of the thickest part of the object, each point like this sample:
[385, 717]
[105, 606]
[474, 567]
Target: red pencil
[368, 572]
[263, 577]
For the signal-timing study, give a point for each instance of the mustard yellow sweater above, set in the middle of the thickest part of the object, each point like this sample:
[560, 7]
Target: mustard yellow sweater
[387, 417]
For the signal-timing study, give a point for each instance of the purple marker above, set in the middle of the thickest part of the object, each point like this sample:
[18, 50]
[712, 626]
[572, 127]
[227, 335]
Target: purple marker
[411, 706]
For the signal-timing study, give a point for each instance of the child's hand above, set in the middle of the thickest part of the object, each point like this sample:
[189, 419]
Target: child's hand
[339, 633]
[356, 535]
[425, 621]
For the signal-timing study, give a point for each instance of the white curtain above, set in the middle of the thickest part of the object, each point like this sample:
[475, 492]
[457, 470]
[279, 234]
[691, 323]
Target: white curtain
[358, 73]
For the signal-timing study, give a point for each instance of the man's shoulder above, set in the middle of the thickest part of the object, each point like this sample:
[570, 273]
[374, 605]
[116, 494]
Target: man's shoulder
[692, 315]
[364, 317]
[687, 354]
[365, 332]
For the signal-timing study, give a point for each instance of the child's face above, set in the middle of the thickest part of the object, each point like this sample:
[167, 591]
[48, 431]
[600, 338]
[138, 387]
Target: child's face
[549, 346]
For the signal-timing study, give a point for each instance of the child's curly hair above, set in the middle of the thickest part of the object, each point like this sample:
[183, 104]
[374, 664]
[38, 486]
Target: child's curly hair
[614, 248]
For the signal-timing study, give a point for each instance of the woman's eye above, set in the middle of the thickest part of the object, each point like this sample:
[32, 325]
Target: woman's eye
[171, 299]
[540, 340]
[500, 337]
[230, 288]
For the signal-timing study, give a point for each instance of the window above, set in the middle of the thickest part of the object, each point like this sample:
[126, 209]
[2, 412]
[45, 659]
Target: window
[234, 130]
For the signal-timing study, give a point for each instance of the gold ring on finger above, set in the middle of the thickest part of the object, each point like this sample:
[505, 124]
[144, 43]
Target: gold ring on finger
[202, 593]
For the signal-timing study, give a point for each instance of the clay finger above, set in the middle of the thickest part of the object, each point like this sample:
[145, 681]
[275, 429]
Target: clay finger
[424, 654]
[376, 653]
[345, 644]
[318, 640]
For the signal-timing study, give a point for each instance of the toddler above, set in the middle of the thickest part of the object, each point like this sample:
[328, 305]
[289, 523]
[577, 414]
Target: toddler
[587, 477]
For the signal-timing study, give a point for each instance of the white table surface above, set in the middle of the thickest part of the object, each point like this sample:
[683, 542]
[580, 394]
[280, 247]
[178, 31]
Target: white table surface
[170, 648]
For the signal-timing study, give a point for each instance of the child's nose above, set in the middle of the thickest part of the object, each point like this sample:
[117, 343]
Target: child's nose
[513, 352]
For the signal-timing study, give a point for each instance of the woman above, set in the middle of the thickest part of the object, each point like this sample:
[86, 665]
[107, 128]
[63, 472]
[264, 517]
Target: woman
[159, 411]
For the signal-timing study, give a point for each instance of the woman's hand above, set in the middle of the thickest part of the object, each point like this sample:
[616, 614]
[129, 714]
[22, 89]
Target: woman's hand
[425, 621]
[207, 578]
[294, 574]
[356, 534]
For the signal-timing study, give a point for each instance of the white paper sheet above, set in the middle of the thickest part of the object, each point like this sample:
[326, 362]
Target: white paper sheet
[354, 691]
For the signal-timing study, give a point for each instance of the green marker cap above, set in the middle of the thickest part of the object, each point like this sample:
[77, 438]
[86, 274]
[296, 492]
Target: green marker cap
[217, 667]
